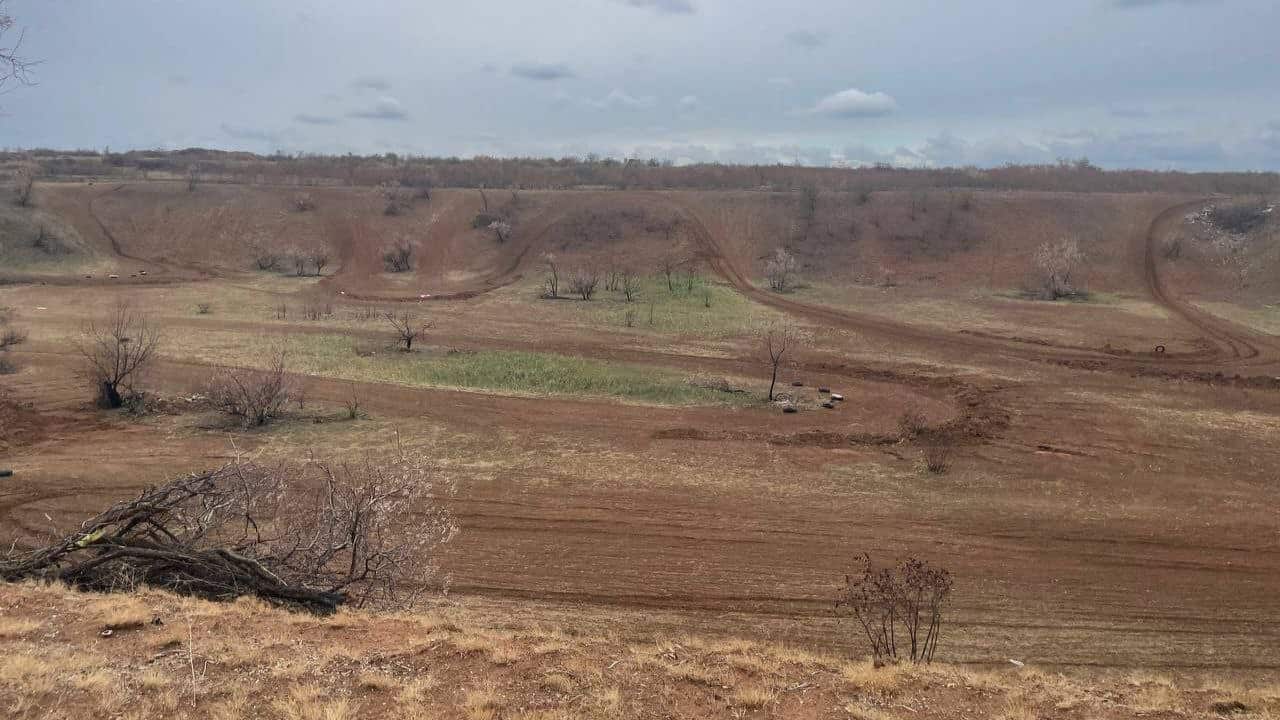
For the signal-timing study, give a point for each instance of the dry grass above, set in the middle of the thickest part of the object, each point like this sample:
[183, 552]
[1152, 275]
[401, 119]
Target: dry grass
[252, 661]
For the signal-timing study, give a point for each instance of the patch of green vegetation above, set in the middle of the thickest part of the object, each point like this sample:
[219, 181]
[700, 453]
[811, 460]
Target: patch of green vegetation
[34, 240]
[515, 372]
[691, 307]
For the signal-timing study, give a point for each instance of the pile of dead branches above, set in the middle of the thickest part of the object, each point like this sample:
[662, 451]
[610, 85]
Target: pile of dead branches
[310, 536]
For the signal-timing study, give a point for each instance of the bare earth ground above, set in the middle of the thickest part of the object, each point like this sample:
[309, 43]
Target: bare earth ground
[1109, 507]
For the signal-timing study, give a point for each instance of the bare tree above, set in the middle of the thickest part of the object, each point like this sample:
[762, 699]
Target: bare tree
[897, 603]
[193, 176]
[1057, 261]
[9, 338]
[670, 265]
[583, 282]
[781, 270]
[299, 258]
[24, 184]
[399, 200]
[254, 396]
[399, 256]
[551, 286]
[629, 283]
[117, 351]
[319, 256]
[311, 536]
[779, 341]
[407, 328]
[13, 66]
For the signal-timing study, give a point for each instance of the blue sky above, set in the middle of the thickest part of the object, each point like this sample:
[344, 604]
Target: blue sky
[1187, 84]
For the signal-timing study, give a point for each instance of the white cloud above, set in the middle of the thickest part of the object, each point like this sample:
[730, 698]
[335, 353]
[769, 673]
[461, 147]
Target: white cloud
[620, 99]
[854, 103]
[669, 7]
[541, 71]
[384, 108]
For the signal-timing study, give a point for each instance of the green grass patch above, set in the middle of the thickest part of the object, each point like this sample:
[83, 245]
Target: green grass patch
[514, 372]
[695, 308]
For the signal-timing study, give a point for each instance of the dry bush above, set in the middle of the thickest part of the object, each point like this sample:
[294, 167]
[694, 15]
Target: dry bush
[912, 424]
[203, 308]
[937, 457]
[399, 200]
[398, 257]
[48, 243]
[313, 535]
[1056, 261]
[254, 396]
[551, 284]
[781, 270]
[902, 603]
[303, 202]
[266, 260]
[583, 282]
[407, 328]
[629, 283]
[24, 184]
[353, 404]
[1173, 247]
[117, 352]
[670, 265]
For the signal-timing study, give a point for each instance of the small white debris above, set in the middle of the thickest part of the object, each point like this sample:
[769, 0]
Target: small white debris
[1016, 663]
[113, 276]
[837, 397]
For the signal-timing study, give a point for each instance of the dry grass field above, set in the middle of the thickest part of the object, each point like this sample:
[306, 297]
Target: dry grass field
[642, 535]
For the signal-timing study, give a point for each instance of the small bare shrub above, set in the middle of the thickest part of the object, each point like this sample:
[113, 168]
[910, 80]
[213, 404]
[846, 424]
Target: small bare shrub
[353, 404]
[203, 308]
[407, 328]
[282, 312]
[629, 282]
[1172, 248]
[1056, 262]
[897, 604]
[399, 200]
[551, 285]
[629, 318]
[11, 337]
[117, 351]
[583, 282]
[779, 342]
[266, 260]
[937, 457]
[303, 202]
[398, 257]
[24, 185]
[781, 270]
[255, 397]
[912, 424]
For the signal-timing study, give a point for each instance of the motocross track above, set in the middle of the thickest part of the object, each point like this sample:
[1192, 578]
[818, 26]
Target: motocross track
[1122, 523]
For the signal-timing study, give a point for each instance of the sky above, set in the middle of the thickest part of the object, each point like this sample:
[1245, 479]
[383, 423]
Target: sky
[1160, 84]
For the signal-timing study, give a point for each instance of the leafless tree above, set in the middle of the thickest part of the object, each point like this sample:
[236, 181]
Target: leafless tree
[551, 287]
[583, 282]
[399, 256]
[24, 184]
[900, 603]
[1056, 261]
[407, 328]
[193, 176]
[779, 341]
[670, 264]
[9, 338]
[311, 535]
[781, 270]
[253, 396]
[319, 256]
[399, 200]
[13, 66]
[629, 283]
[117, 351]
[299, 258]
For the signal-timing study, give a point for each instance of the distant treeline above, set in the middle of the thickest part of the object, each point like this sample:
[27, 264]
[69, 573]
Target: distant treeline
[593, 172]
